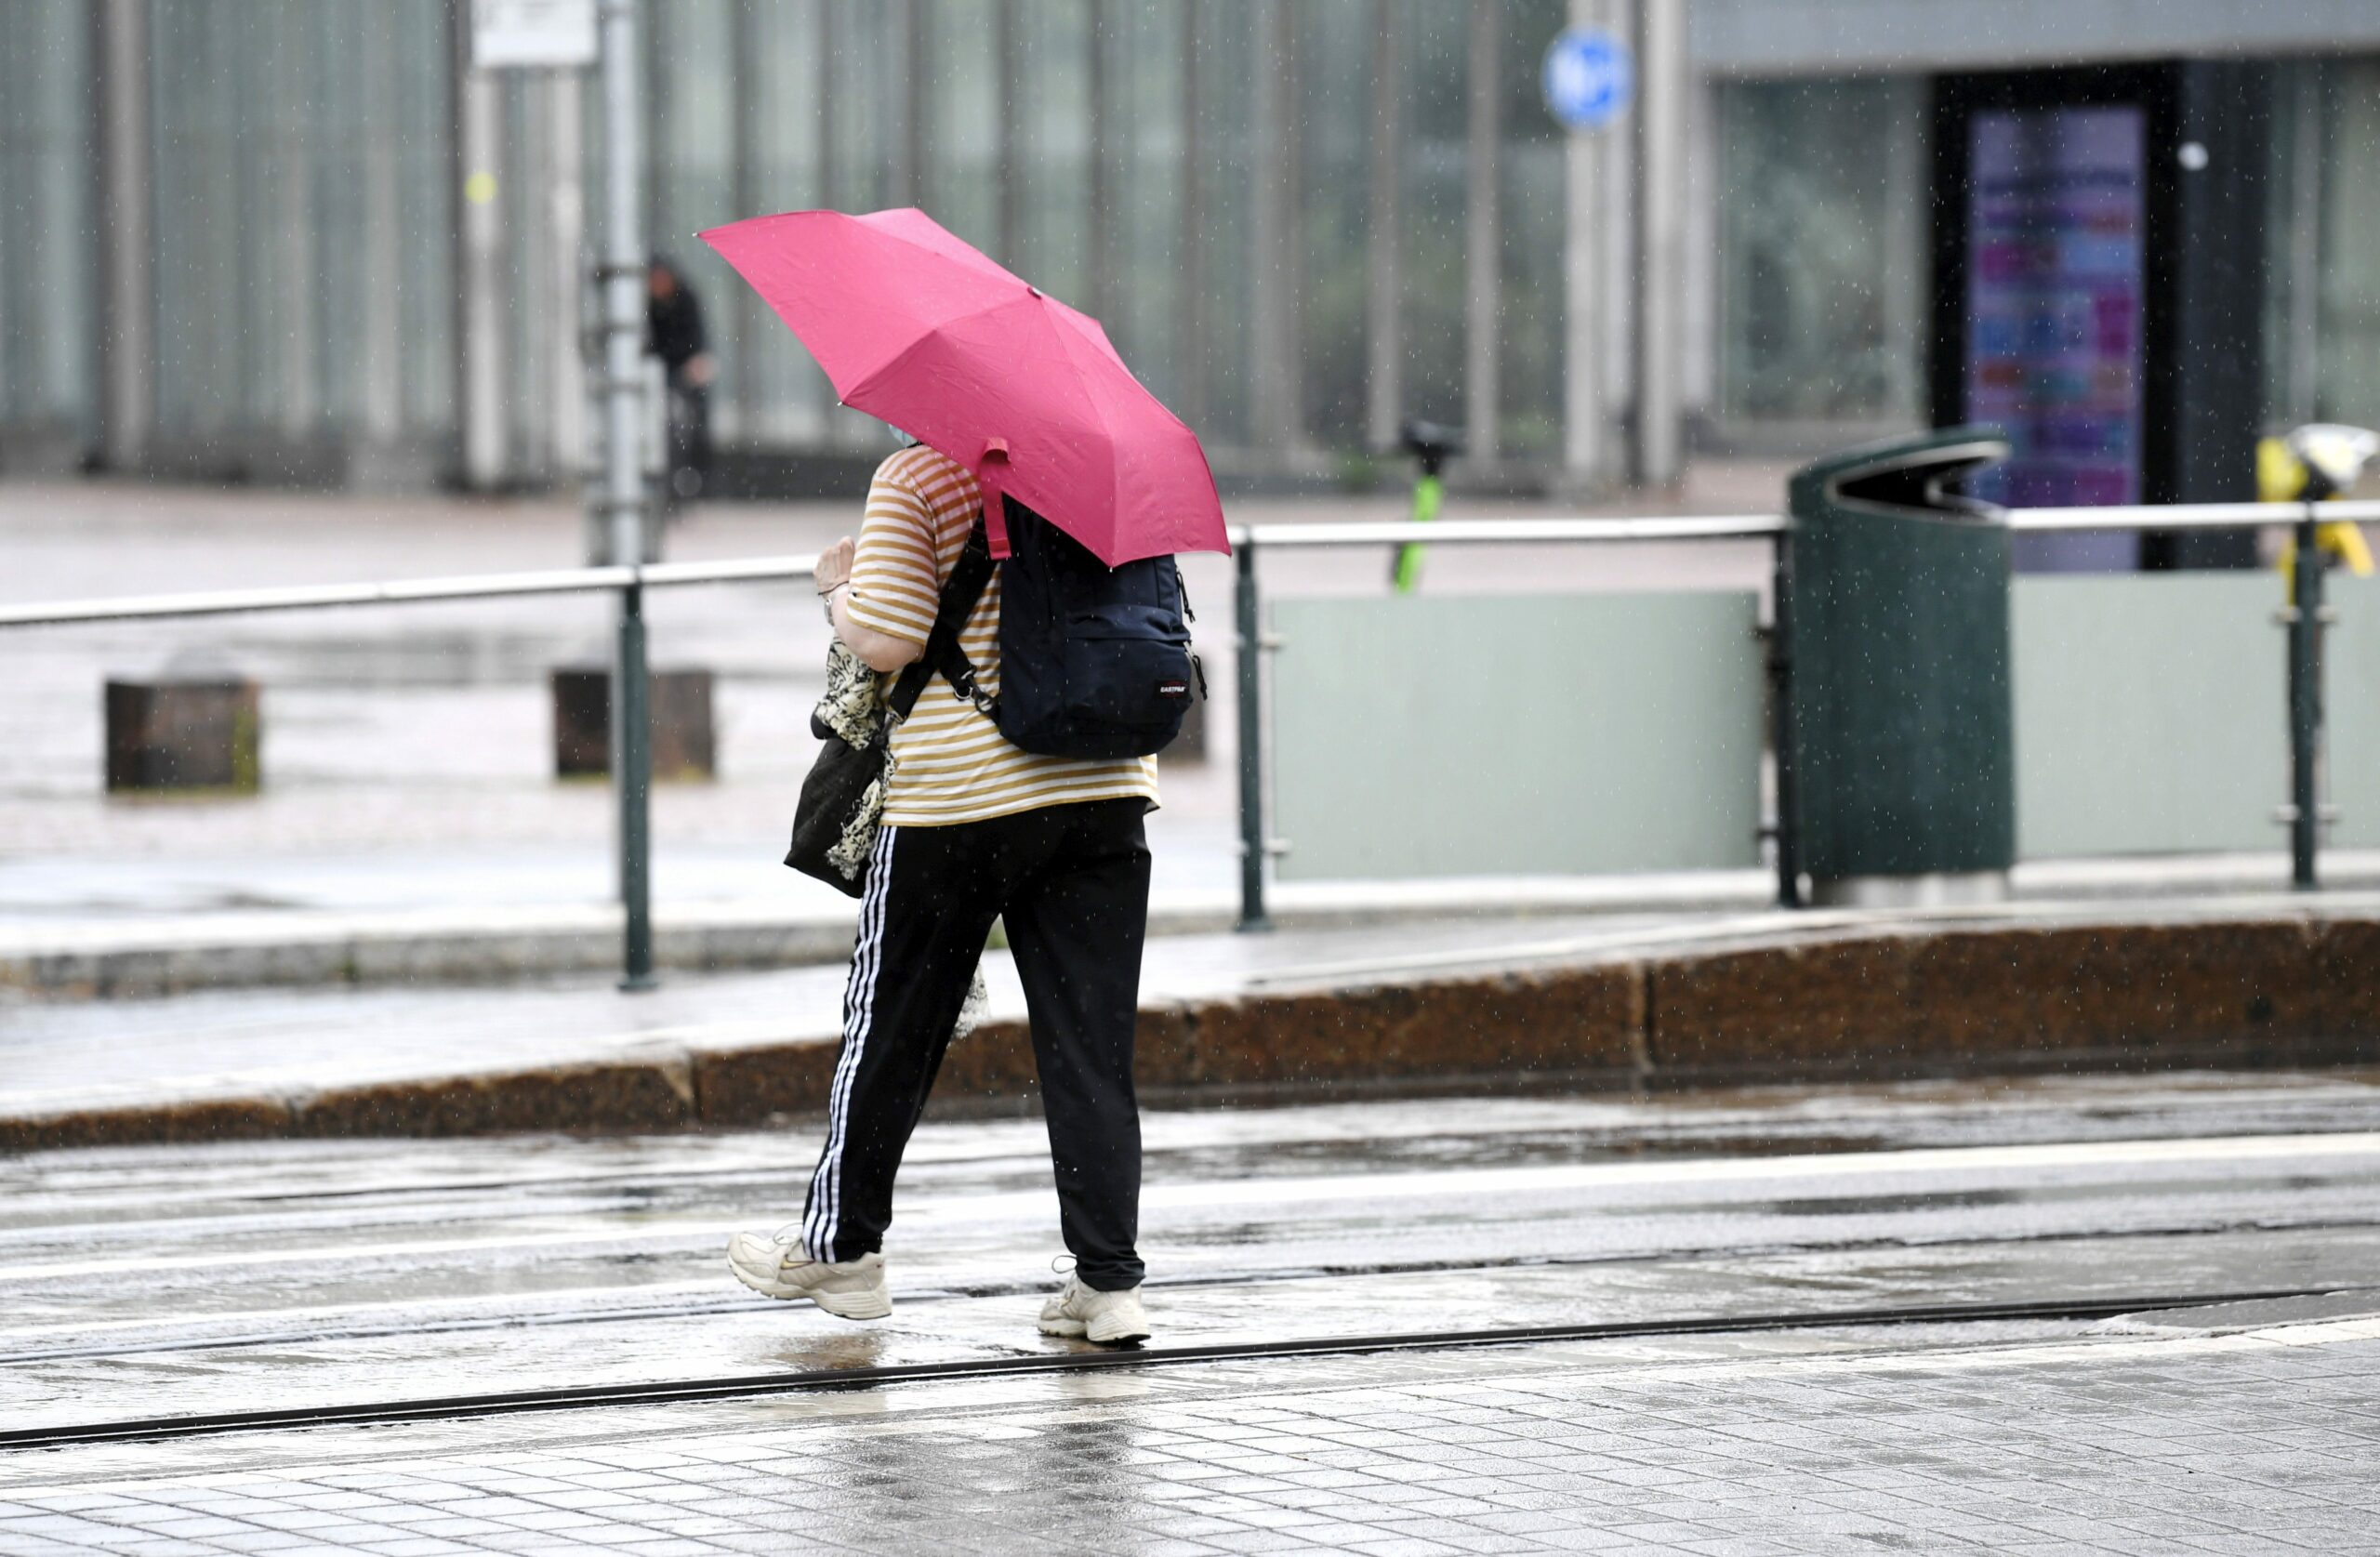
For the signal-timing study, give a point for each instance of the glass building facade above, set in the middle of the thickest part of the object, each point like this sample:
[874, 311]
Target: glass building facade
[1822, 258]
[362, 256]
[343, 256]
[48, 314]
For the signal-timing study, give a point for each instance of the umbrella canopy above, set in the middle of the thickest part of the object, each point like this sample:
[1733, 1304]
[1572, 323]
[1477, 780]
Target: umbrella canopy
[915, 327]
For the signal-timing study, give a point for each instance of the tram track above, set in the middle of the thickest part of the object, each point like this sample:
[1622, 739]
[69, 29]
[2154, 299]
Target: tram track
[754, 1386]
[734, 1303]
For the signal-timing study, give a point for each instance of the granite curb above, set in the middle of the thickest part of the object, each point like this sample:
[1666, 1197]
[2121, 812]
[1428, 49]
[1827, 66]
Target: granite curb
[145, 957]
[1843, 997]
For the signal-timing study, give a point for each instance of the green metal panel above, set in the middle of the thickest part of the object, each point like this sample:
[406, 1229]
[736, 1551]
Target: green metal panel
[2151, 714]
[1517, 735]
[2351, 688]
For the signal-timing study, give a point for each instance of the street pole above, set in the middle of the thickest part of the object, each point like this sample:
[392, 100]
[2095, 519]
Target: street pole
[1781, 703]
[1250, 620]
[2305, 619]
[623, 489]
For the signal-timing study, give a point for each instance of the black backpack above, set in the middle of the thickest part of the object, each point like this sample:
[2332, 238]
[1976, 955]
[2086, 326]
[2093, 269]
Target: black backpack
[1095, 661]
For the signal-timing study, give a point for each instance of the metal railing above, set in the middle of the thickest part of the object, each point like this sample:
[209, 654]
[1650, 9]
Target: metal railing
[2304, 812]
[403, 591]
[1249, 543]
[631, 737]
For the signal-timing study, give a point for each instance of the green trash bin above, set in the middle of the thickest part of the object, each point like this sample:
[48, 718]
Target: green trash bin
[1902, 767]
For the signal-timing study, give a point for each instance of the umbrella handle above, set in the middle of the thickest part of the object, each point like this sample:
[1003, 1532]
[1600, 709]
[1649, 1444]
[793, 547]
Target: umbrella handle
[991, 477]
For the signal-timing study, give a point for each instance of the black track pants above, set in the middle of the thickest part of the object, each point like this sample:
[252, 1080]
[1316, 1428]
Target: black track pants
[1072, 884]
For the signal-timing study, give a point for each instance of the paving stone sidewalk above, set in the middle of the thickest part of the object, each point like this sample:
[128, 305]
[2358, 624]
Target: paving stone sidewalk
[2195, 1442]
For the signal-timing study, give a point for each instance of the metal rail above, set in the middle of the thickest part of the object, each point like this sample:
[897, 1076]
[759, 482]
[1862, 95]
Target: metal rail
[403, 591]
[2187, 516]
[1248, 542]
[1472, 532]
[751, 1386]
[653, 575]
[1257, 848]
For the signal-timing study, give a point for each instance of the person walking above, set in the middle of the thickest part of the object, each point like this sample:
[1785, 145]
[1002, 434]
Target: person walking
[673, 318]
[974, 828]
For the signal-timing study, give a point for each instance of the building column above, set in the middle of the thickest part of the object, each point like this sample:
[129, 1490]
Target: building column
[1190, 328]
[480, 301]
[288, 165]
[1483, 240]
[565, 251]
[1660, 172]
[1005, 59]
[1586, 409]
[737, 318]
[1697, 354]
[1274, 410]
[383, 330]
[2302, 264]
[908, 23]
[128, 296]
[1384, 277]
[830, 150]
[1100, 197]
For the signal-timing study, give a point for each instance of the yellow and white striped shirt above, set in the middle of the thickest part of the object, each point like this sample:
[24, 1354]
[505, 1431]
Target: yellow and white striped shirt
[950, 763]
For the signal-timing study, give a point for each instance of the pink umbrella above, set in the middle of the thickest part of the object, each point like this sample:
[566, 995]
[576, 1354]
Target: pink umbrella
[916, 327]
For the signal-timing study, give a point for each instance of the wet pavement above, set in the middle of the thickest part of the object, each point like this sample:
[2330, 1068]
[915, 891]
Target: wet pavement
[289, 1042]
[2200, 1369]
[172, 1281]
[425, 729]
[409, 806]
[410, 827]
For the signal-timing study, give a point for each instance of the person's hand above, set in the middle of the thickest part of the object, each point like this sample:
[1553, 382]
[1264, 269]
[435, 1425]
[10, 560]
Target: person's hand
[700, 369]
[835, 566]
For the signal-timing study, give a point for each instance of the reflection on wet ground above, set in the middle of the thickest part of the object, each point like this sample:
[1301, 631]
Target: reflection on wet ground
[177, 1281]
[195, 1279]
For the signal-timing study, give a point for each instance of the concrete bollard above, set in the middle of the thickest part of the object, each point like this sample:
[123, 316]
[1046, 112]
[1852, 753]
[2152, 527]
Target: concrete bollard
[196, 734]
[685, 746]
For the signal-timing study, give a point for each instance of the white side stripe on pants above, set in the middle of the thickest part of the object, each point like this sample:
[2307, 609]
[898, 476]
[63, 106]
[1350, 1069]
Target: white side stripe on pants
[825, 1210]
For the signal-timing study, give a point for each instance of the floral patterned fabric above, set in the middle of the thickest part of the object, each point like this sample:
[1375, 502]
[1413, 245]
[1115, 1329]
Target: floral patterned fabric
[853, 709]
[853, 706]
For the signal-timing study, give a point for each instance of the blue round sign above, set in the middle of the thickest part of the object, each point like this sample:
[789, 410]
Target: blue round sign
[1589, 78]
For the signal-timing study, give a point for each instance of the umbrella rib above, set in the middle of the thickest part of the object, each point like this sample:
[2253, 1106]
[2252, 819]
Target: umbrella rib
[1069, 341]
[885, 370]
[945, 254]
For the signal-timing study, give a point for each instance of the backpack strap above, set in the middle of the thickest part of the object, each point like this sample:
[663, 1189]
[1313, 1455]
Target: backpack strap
[960, 592]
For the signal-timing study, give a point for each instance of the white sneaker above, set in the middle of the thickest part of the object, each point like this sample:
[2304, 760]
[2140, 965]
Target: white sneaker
[1109, 1318]
[779, 1267]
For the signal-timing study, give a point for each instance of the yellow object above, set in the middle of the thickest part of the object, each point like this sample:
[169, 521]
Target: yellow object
[2280, 478]
[2345, 543]
[480, 187]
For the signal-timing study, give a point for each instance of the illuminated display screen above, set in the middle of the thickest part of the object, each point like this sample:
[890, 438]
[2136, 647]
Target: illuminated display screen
[2053, 302]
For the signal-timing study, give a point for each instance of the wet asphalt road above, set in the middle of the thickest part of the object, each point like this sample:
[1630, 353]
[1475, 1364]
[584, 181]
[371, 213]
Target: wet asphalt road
[178, 1282]
[166, 1281]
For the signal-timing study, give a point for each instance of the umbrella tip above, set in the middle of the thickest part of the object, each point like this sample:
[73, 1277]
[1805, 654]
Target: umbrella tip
[1034, 290]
